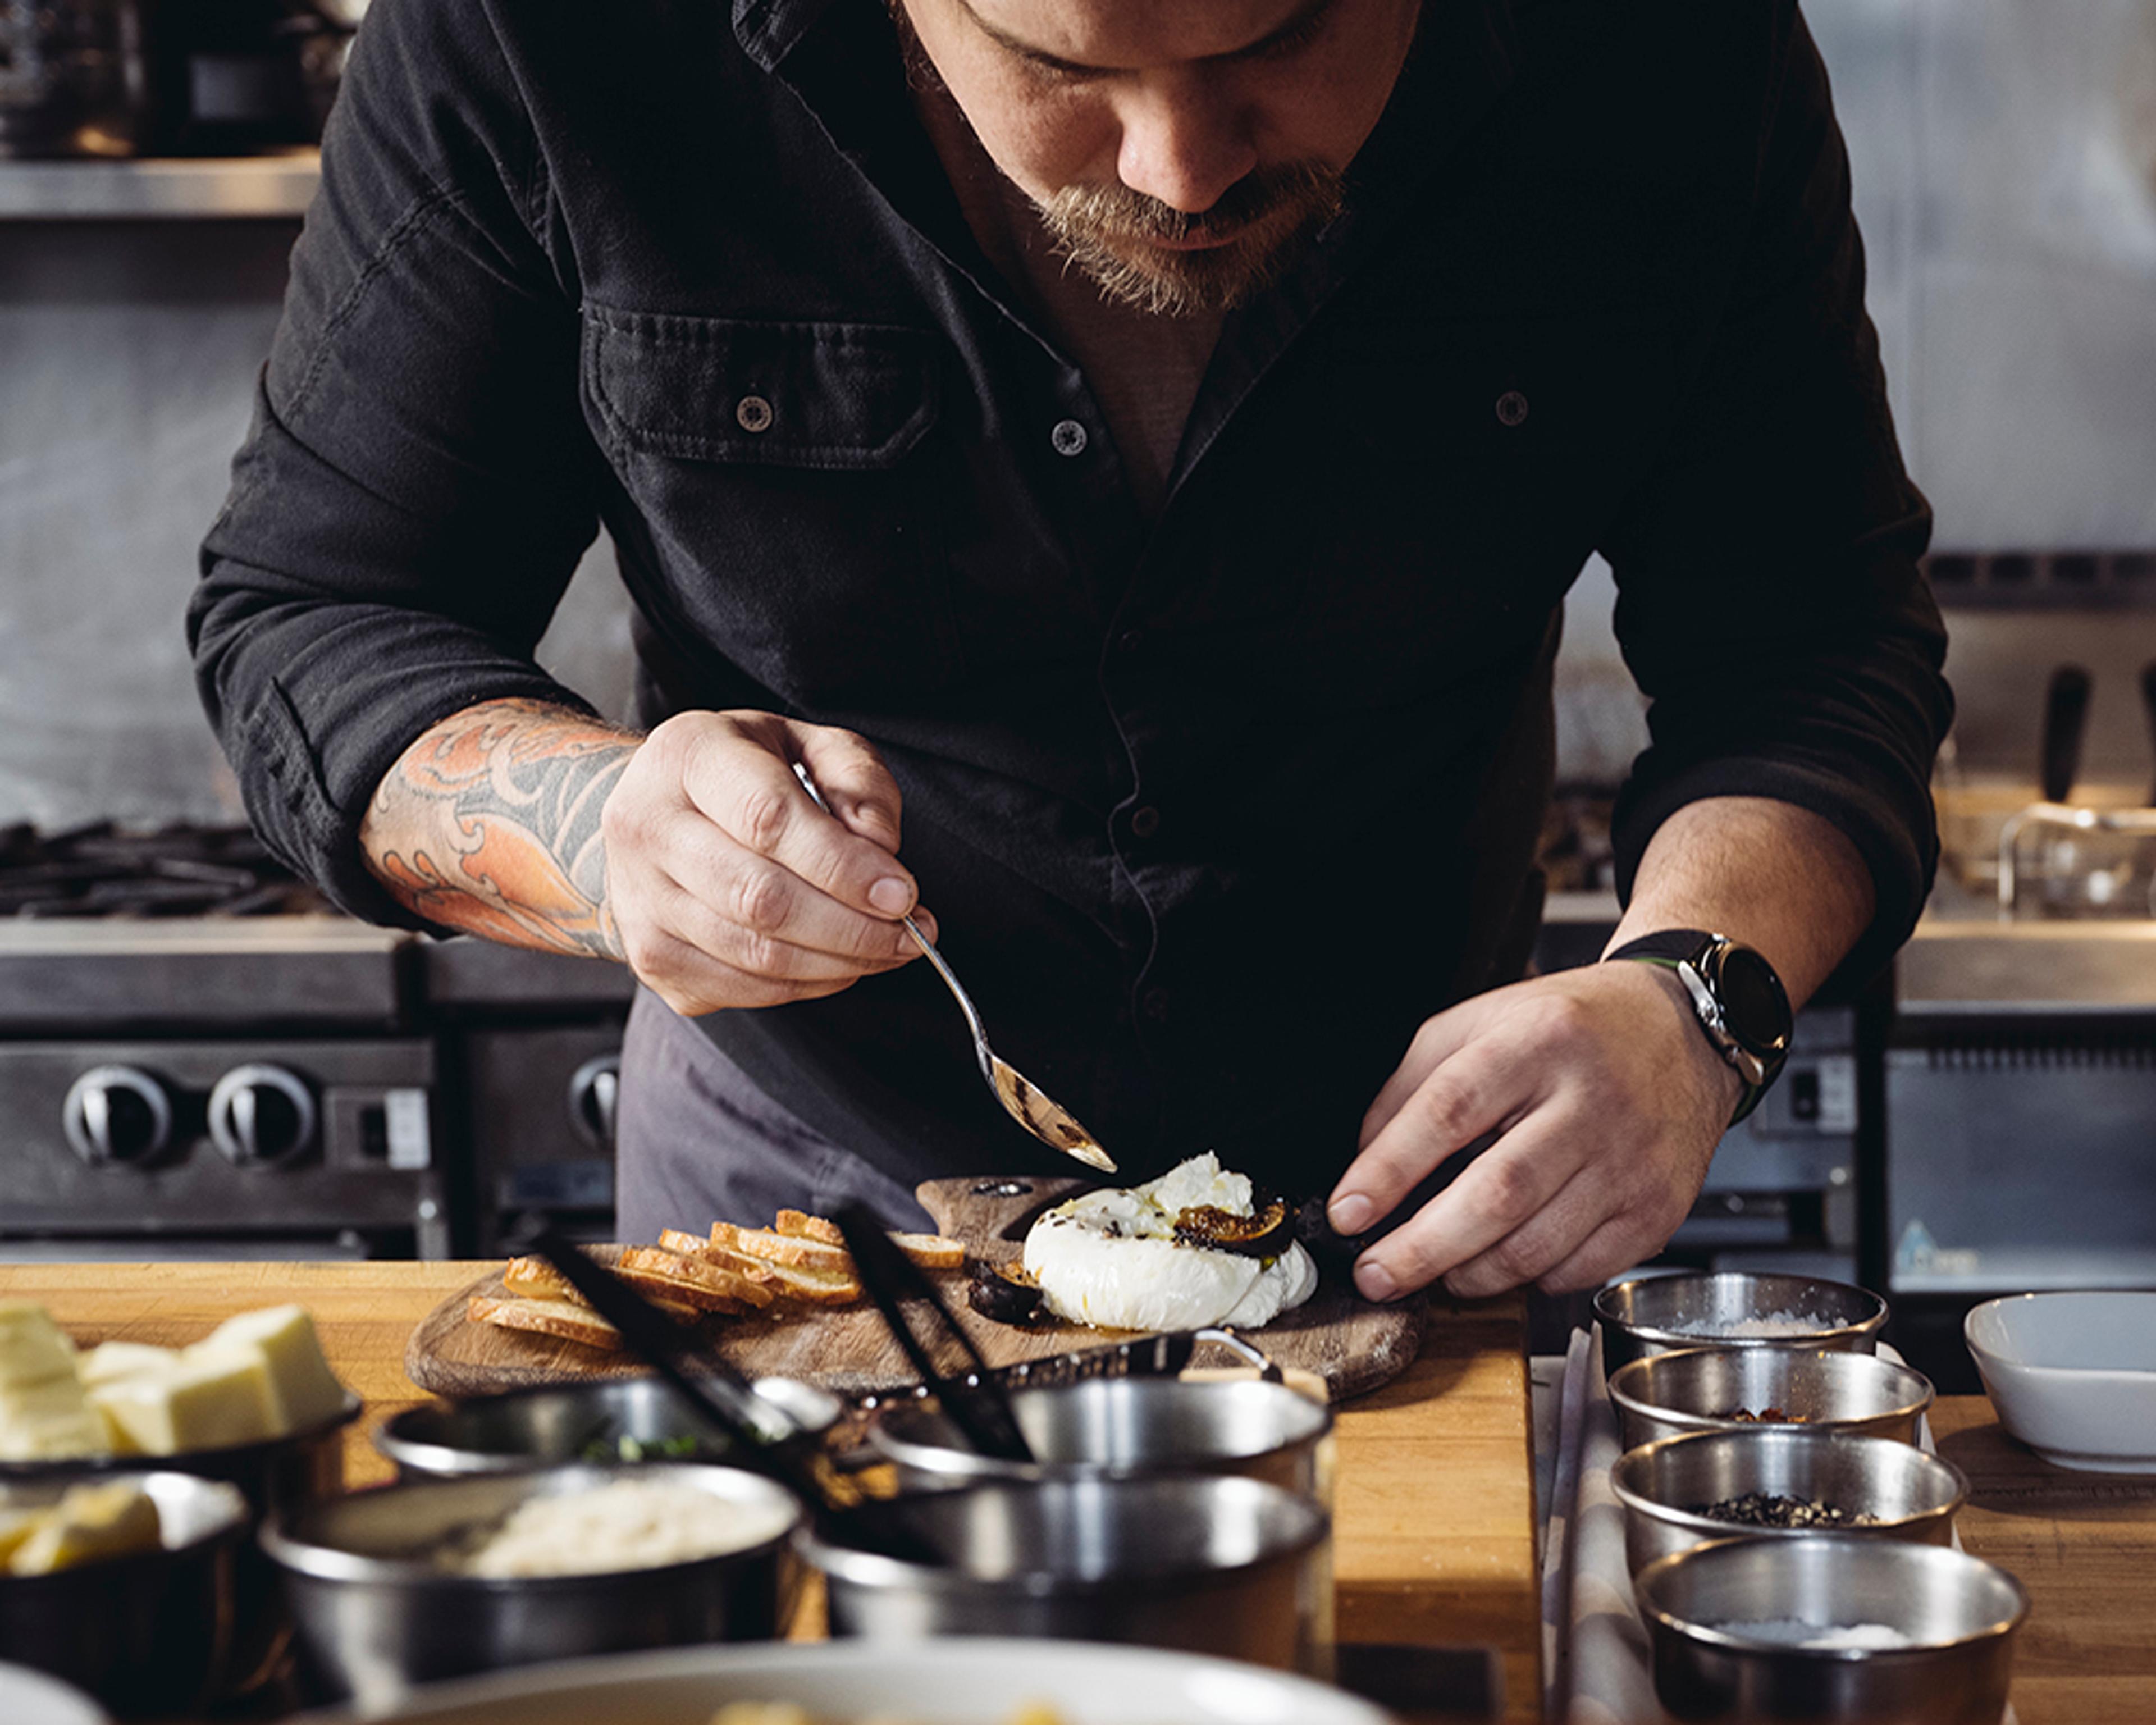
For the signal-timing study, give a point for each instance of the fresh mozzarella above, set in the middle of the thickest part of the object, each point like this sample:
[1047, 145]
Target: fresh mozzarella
[1111, 1257]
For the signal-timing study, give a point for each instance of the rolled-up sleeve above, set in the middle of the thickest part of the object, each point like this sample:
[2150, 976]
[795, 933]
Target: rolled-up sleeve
[1770, 601]
[417, 484]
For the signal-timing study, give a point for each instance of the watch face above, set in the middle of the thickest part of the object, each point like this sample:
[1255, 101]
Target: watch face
[1752, 1004]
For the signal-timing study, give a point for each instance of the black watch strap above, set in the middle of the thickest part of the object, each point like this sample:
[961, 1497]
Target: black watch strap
[1750, 1026]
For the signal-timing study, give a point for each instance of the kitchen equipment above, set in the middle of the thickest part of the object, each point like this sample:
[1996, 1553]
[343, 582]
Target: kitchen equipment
[2073, 1375]
[1914, 1496]
[1960, 1613]
[972, 1402]
[1231, 1567]
[72, 77]
[1353, 1345]
[614, 1419]
[1655, 1314]
[1696, 1390]
[1129, 1428]
[376, 1616]
[2066, 719]
[150, 1633]
[976, 1681]
[1046, 1119]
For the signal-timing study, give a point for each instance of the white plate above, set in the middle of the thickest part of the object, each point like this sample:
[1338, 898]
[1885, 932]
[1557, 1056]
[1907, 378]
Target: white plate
[2073, 1376]
[960, 1681]
[29, 1697]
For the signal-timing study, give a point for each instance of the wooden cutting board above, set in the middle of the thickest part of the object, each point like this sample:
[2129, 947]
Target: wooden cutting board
[1354, 1346]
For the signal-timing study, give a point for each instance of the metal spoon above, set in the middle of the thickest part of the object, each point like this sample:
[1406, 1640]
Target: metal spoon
[1046, 1119]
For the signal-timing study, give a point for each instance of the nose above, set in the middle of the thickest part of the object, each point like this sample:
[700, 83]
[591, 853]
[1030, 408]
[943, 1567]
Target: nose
[1184, 140]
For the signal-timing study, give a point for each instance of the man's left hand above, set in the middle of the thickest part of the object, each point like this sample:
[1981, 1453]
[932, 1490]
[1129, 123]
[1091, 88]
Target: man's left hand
[1607, 1100]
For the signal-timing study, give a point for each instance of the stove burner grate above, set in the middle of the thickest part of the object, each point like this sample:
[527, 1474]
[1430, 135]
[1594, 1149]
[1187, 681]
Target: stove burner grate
[101, 870]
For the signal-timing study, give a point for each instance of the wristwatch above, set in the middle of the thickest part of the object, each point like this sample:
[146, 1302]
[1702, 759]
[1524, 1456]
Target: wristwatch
[1739, 1001]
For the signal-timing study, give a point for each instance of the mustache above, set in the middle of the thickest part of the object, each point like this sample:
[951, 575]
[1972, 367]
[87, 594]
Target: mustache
[1313, 191]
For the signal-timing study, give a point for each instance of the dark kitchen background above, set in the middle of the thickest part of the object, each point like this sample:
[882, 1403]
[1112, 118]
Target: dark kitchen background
[193, 1059]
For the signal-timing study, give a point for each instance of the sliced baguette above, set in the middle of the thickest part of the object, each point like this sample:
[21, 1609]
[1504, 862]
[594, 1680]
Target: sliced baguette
[535, 1279]
[559, 1318]
[775, 1248]
[697, 1280]
[931, 1251]
[797, 1225]
[694, 1245]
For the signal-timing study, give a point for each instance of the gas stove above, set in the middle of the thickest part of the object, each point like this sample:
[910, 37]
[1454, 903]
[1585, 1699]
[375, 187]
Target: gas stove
[197, 1052]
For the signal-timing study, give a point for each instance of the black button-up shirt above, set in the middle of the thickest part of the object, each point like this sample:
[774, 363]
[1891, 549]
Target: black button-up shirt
[1216, 808]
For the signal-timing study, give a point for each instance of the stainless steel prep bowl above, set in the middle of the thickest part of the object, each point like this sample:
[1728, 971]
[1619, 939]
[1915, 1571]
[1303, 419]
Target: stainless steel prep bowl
[1655, 1314]
[1961, 1613]
[1669, 1394]
[1233, 1566]
[1128, 1428]
[152, 1632]
[1915, 1495]
[567, 1423]
[376, 1615]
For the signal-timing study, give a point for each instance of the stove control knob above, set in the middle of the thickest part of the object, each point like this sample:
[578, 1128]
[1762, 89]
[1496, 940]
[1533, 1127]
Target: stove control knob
[260, 1114]
[594, 1091]
[116, 1114]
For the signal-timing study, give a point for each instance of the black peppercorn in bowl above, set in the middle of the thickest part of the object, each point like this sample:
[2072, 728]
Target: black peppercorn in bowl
[1780, 1483]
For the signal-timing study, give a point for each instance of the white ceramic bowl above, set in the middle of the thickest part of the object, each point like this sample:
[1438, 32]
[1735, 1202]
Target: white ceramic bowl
[2073, 1376]
[966, 1681]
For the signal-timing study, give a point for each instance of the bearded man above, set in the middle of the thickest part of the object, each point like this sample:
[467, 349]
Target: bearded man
[1132, 454]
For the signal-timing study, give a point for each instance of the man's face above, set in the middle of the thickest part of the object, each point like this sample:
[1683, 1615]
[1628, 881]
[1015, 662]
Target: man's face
[1177, 149]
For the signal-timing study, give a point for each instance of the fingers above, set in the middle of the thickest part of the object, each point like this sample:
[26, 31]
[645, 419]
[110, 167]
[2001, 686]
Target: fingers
[1505, 1219]
[743, 782]
[1474, 1087]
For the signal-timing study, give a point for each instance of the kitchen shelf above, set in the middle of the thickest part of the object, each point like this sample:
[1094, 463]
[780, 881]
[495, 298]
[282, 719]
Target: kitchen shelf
[272, 188]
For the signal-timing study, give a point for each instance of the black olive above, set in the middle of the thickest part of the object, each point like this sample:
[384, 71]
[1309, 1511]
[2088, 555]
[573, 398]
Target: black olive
[1264, 1234]
[1004, 1292]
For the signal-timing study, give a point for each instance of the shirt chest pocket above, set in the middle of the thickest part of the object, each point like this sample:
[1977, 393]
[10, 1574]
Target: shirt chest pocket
[782, 485]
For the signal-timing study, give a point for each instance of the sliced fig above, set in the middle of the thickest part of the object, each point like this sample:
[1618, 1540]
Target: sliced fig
[1264, 1233]
[1004, 1292]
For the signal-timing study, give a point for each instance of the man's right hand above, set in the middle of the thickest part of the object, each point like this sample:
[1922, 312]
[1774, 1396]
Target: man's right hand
[727, 886]
[693, 853]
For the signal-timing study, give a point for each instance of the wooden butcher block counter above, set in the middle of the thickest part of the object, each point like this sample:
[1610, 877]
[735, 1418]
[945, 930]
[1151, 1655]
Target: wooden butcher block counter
[1434, 1515]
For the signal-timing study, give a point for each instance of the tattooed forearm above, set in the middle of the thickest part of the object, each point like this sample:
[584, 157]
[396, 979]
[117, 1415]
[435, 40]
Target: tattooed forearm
[490, 822]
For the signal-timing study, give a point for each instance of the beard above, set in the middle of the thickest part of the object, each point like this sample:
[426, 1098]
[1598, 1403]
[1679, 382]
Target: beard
[1106, 231]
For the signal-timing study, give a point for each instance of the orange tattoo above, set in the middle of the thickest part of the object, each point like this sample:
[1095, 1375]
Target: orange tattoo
[490, 822]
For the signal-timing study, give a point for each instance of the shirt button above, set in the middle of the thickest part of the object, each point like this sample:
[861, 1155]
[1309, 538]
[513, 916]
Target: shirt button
[1069, 438]
[1145, 822]
[752, 413]
[1154, 1005]
[1512, 407]
[1129, 641]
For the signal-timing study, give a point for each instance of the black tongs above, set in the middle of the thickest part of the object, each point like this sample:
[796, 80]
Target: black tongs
[763, 1435]
[966, 1389]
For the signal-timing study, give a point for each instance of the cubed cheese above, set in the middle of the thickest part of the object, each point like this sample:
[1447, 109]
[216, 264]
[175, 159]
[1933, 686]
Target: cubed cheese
[89, 1522]
[33, 1348]
[48, 1422]
[307, 1391]
[109, 1361]
[213, 1398]
[16, 1525]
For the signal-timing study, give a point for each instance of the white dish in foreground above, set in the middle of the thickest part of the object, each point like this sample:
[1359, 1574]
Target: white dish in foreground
[963, 1681]
[2073, 1376]
[29, 1697]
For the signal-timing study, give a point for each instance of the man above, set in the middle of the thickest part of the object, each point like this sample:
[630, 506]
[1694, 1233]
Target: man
[1133, 454]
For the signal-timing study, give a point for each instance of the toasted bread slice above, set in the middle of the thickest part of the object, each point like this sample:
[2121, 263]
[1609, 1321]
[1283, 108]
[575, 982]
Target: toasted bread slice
[535, 1279]
[559, 1318]
[694, 1245]
[696, 1279]
[931, 1251]
[775, 1248]
[796, 1225]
